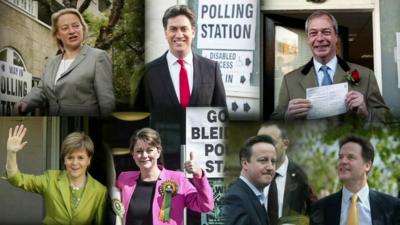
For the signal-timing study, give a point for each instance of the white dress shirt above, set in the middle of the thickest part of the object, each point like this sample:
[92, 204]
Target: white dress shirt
[363, 207]
[331, 71]
[260, 195]
[175, 68]
[280, 180]
[64, 64]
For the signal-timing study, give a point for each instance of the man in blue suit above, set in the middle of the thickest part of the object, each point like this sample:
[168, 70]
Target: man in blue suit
[243, 203]
[356, 204]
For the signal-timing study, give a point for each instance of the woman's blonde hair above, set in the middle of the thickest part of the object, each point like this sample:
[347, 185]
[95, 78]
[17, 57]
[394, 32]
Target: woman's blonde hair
[54, 27]
[75, 141]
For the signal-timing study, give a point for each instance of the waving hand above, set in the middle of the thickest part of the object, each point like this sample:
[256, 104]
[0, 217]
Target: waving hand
[14, 142]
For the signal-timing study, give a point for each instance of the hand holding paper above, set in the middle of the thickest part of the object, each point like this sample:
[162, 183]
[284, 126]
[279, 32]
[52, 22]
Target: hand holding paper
[298, 108]
[356, 103]
[327, 100]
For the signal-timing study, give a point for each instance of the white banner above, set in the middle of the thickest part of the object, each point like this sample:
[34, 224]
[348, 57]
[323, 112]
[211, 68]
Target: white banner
[205, 138]
[226, 24]
[243, 108]
[15, 83]
[236, 66]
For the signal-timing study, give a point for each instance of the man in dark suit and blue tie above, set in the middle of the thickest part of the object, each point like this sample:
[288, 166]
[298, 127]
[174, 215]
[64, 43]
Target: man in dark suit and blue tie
[243, 203]
[356, 203]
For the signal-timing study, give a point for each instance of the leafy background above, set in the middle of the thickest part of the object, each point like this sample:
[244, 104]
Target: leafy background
[314, 146]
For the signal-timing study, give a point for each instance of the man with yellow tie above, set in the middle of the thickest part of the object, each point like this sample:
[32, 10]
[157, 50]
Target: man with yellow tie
[356, 204]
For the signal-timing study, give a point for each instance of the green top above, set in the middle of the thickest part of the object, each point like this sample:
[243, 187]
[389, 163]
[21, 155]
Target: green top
[53, 185]
[76, 195]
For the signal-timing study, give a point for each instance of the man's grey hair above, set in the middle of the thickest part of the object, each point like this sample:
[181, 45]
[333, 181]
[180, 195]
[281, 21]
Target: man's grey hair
[319, 14]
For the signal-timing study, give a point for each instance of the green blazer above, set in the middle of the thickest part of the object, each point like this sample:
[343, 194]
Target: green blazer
[53, 185]
[295, 83]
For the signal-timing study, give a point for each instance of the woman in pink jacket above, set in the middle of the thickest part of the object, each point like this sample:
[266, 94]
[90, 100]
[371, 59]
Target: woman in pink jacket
[155, 195]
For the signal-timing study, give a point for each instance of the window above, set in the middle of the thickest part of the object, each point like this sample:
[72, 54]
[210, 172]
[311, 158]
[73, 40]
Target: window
[10, 55]
[26, 5]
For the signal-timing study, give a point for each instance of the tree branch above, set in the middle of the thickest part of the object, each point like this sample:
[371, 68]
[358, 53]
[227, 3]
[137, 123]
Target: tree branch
[49, 4]
[104, 40]
[84, 5]
[70, 3]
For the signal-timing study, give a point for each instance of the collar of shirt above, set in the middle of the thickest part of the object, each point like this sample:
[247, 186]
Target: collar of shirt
[363, 195]
[172, 60]
[174, 69]
[332, 64]
[282, 170]
[260, 195]
[64, 65]
[363, 206]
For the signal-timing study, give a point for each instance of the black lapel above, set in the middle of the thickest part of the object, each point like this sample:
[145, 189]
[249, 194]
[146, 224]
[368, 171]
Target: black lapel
[307, 67]
[377, 211]
[343, 64]
[196, 80]
[167, 81]
[333, 208]
[291, 174]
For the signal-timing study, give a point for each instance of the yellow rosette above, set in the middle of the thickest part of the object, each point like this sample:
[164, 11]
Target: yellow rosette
[168, 189]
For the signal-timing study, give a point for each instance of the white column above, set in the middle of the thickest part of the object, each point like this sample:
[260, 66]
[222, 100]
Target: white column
[155, 42]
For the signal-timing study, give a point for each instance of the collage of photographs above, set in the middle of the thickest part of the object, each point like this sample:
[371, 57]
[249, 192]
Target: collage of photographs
[200, 112]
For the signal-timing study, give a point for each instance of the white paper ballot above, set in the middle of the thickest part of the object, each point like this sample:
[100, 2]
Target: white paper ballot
[327, 100]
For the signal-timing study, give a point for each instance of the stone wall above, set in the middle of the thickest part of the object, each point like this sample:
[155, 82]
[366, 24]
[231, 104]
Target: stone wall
[29, 36]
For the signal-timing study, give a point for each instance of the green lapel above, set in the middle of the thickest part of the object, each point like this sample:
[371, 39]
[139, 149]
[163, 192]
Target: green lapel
[87, 194]
[308, 80]
[63, 187]
[340, 75]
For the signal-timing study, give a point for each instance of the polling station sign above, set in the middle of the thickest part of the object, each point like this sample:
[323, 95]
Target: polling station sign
[15, 83]
[225, 23]
[236, 66]
[205, 138]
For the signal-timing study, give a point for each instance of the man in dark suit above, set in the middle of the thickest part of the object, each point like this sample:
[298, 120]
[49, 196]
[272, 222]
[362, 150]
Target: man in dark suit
[243, 203]
[163, 82]
[356, 203]
[363, 101]
[291, 195]
[176, 80]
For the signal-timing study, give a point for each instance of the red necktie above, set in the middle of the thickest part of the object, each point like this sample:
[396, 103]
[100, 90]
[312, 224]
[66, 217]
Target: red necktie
[184, 85]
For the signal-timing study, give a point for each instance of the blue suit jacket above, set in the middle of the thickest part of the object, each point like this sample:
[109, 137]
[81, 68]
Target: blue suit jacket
[385, 209]
[241, 206]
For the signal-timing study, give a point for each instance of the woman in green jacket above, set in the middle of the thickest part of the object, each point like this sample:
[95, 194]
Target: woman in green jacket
[71, 196]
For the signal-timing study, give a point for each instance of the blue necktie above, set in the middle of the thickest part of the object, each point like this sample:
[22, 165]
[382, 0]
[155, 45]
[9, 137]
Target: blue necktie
[327, 79]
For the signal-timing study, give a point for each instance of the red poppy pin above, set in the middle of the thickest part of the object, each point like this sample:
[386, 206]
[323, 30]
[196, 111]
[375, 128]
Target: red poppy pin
[353, 77]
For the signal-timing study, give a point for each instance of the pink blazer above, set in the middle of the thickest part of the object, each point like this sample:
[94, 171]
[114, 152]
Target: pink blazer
[198, 197]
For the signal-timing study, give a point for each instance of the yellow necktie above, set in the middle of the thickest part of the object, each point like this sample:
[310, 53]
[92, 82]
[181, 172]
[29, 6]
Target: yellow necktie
[352, 217]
